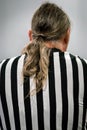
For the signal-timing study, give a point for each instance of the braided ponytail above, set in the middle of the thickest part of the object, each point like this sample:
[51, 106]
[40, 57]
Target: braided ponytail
[36, 64]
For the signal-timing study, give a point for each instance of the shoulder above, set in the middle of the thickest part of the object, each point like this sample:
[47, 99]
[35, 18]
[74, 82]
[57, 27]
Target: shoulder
[77, 58]
[69, 58]
[14, 61]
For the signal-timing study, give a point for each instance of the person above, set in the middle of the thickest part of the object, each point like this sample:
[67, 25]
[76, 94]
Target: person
[45, 88]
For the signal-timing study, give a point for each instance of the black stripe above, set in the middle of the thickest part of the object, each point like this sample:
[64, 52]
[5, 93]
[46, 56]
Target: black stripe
[75, 92]
[27, 104]
[14, 92]
[64, 91]
[3, 96]
[85, 93]
[1, 127]
[52, 96]
[40, 110]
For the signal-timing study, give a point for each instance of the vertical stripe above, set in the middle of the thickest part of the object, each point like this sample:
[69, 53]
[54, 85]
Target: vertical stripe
[46, 106]
[1, 126]
[75, 92]
[1, 63]
[14, 92]
[33, 106]
[27, 104]
[2, 118]
[40, 110]
[58, 91]
[64, 92]
[86, 120]
[69, 90]
[20, 93]
[84, 64]
[85, 61]
[3, 96]
[52, 95]
[8, 92]
[81, 91]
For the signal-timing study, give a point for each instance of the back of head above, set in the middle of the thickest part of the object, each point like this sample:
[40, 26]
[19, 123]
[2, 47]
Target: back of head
[49, 23]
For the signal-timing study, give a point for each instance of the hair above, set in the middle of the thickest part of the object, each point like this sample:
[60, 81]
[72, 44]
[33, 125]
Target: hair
[49, 23]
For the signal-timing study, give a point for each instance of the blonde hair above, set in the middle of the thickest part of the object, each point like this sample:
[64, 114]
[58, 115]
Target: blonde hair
[49, 23]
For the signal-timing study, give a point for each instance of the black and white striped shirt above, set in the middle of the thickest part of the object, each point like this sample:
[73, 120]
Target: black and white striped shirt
[61, 105]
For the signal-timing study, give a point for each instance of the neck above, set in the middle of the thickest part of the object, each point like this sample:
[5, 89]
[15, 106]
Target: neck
[61, 45]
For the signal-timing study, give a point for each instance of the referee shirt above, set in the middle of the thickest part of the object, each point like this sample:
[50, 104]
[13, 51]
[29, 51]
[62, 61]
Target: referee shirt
[60, 105]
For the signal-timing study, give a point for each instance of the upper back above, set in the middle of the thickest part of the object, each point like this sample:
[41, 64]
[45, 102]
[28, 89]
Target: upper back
[62, 103]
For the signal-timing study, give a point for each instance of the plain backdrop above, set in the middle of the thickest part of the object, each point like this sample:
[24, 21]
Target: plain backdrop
[15, 21]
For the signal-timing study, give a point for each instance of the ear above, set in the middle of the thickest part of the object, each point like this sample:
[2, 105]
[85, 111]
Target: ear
[30, 35]
[67, 36]
[65, 40]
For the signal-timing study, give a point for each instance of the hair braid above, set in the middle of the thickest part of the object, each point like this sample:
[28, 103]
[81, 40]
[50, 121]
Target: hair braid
[36, 64]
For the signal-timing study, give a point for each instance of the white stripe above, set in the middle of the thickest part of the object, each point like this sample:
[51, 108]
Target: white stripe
[1, 65]
[58, 90]
[85, 60]
[33, 106]
[8, 93]
[1, 109]
[20, 93]
[69, 90]
[2, 116]
[81, 91]
[46, 106]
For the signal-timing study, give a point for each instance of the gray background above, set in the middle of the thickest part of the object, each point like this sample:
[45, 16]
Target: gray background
[15, 21]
